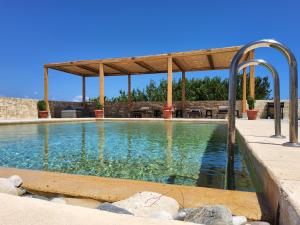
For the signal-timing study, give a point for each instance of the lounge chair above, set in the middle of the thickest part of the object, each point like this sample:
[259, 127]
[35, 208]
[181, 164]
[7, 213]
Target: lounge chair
[70, 112]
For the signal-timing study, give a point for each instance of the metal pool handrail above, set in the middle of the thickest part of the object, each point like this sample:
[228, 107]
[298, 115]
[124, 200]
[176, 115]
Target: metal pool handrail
[277, 116]
[293, 74]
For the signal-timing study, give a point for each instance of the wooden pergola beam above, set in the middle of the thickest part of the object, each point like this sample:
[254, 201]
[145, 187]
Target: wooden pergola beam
[46, 97]
[252, 78]
[244, 104]
[83, 90]
[117, 68]
[129, 92]
[211, 61]
[146, 66]
[101, 78]
[170, 80]
[183, 80]
[150, 57]
[180, 65]
[88, 68]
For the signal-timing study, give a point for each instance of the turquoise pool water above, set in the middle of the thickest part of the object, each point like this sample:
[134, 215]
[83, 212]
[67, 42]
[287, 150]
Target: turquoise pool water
[167, 152]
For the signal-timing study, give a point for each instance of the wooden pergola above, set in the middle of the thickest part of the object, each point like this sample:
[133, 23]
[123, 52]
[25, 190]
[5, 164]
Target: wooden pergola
[196, 60]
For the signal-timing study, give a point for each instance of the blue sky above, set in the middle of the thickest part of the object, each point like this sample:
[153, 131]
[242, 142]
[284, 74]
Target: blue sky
[34, 33]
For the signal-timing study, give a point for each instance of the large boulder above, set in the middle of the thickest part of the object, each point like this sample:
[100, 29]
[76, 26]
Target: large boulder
[239, 220]
[60, 200]
[12, 185]
[149, 204]
[209, 215]
[16, 180]
[29, 195]
[7, 187]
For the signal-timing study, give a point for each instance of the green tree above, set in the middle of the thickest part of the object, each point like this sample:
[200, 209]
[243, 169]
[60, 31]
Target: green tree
[200, 89]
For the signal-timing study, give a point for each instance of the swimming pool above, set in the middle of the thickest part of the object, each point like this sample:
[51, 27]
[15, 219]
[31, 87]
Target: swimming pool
[160, 151]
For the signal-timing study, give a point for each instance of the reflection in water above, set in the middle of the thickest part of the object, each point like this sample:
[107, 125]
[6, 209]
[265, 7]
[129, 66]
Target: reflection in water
[221, 168]
[83, 145]
[212, 172]
[129, 142]
[166, 152]
[169, 134]
[46, 147]
[229, 175]
[101, 138]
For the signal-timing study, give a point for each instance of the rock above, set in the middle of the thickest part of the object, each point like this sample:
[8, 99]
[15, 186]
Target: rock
[84, 202]
[7, 187]
[111, 208]
[145, 204]
[239, 220]
[209, 215]
[256, 223]
[180, 215]
[21, 191]
[60, 200]
[36, 196]
[163, 215]
[15, 180]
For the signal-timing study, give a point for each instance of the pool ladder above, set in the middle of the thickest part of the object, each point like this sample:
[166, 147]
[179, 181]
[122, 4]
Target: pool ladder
[293, 76]
[293, 103]
[276, 88]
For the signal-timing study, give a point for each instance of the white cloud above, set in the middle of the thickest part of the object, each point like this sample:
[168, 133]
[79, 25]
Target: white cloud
[78, 98]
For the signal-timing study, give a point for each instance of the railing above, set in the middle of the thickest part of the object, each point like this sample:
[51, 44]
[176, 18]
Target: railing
[276, 88]
[293, 75]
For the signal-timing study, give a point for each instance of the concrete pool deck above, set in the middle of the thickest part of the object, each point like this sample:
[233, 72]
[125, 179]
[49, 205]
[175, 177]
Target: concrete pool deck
[277, 167]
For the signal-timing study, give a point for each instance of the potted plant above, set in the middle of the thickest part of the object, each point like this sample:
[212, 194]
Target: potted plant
[42, 108]
[99, 111]
[168, 111]
[251, 112]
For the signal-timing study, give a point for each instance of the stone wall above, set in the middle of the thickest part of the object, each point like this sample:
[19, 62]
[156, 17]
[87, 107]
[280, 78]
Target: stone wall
[57, 106]
[121, 109]
[261, 105]
[19, 108]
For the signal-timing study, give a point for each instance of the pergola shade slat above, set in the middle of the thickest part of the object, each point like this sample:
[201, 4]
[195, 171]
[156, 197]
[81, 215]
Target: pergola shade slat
[197, 60]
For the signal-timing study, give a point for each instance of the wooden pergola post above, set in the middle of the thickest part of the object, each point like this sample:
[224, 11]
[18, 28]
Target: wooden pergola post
[183, 89]
[129, 92]
[83, 91]
[244, 105]
[46, 97]
[101, 78]
[170, 80]
[252, 78]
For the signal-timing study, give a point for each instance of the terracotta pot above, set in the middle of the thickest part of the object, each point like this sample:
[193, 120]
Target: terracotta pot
[168, 114]
[99, 113]
[43, 114]
[252, 114]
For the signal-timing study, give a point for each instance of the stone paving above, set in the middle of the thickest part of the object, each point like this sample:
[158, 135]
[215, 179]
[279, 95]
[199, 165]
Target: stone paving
[277, 166]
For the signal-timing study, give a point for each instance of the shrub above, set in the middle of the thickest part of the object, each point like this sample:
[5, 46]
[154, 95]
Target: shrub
[41, 105]
[99, 106]
[251, 102]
